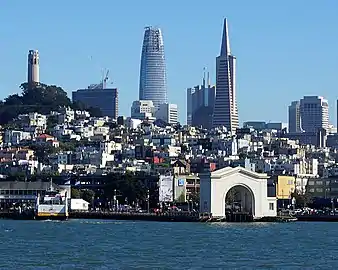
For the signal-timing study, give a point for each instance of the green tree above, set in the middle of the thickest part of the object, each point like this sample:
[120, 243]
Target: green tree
[302, 199]
[88, 195]
[181, 198]
[67, 146]
[40, 98]
[195, 197]
[42, 152]
[76, 194]
[51, 122]
[13, 100]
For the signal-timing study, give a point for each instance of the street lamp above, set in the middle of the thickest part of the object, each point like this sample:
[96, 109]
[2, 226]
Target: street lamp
[115, 206]
[148, 200]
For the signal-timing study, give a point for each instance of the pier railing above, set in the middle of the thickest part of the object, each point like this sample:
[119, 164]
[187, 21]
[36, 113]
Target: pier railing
[191, 214]
[166, 216]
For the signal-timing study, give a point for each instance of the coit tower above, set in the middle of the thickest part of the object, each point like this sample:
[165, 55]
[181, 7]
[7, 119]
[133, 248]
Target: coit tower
[33, 67]
[153, 76]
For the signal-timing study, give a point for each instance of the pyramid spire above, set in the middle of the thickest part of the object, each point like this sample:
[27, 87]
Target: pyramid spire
[225, 46]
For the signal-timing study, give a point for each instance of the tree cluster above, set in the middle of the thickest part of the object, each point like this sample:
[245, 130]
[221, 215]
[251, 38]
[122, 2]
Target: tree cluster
[40, 98]
[87, 195]
[302, 199]
[130, 188]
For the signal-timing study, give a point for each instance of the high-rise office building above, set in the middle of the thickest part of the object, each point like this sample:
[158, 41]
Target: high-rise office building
[33, 76]
[153, 76]
[294, 117]
[314, 112]
[337, 115]
[142, 109]
[200, 104]
[190, 92]
[168, 113]
[104, 99]
[225, 109]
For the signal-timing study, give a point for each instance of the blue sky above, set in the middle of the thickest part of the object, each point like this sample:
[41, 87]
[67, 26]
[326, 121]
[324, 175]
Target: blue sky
[285, 49]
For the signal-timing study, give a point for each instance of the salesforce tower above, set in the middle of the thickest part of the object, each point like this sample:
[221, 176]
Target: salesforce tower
[153, 77]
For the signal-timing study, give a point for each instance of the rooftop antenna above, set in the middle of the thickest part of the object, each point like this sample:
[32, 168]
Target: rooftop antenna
[51, 184]
[204, 77]
[209, 84]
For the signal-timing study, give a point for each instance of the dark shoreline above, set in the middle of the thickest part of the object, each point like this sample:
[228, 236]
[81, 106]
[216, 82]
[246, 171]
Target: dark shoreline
[159, 217]
[318, 218]
[171, 217]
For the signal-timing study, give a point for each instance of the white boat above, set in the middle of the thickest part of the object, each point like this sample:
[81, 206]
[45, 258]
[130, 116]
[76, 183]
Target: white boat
[52, 206]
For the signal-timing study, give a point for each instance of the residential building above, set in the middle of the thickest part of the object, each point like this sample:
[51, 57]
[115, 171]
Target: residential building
[14, 137]
[153, 76]
[285, 186]
[261, 125]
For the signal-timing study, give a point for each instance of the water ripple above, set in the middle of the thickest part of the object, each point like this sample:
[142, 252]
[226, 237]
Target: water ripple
[97, 244]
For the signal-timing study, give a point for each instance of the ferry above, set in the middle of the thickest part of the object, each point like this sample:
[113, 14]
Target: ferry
[52, 206]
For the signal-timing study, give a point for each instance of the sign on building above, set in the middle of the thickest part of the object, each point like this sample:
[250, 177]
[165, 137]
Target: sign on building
[180, 182]
[166, 188]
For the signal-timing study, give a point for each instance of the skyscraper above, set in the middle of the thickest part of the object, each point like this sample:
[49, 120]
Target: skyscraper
[294, 117]
[104, 99]
[314, 111]
[142, 109]
[153, 76]
[225, 109]
[167, 113]
[190, 92]
[200, 104]
[33, 76]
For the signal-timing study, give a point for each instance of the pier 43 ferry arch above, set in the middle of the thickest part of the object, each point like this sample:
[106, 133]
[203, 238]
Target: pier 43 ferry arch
[236, 189]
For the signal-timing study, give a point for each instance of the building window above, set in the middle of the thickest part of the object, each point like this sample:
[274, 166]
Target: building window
[271, 206]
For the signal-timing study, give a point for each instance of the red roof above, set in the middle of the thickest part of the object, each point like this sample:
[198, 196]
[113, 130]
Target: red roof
[45, 136]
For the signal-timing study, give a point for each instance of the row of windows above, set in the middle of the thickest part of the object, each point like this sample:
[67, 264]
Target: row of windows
[318, 183]
[19, 192]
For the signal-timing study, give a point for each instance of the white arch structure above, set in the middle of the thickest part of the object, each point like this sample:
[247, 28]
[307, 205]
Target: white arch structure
[214, 187]
[244, 195]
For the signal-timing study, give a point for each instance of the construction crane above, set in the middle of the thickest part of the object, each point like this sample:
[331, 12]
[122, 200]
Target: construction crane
[105, 78]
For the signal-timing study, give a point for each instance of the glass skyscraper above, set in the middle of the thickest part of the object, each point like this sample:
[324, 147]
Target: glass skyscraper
[153, 75]
[104, 99]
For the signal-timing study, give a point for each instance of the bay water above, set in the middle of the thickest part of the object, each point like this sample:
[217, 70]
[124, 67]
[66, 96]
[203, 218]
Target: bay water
[99, 244]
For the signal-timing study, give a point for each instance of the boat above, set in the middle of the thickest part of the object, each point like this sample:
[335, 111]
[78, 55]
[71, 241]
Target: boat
[52, 206]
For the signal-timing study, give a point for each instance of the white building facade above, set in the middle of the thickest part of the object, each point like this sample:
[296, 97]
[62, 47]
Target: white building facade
[251, 186]
[142, 109]
[167, 112]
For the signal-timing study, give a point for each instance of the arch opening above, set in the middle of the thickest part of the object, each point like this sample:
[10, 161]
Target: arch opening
[239, 199]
